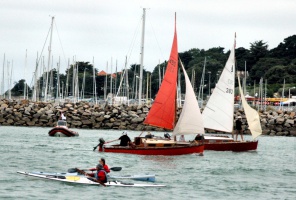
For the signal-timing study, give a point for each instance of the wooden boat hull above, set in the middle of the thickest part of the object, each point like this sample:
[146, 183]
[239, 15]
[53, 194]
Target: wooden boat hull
[167, 151]
[232, 146]
[62, 132]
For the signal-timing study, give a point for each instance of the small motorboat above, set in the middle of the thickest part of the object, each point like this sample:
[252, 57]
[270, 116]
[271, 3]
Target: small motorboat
[61, 130]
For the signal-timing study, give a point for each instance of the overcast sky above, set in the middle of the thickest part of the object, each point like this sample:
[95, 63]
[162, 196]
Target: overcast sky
[111, 30]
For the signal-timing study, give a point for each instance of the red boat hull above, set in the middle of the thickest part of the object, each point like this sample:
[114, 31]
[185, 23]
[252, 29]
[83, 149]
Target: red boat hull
[57, 131]
[232, 146]
[167, 151]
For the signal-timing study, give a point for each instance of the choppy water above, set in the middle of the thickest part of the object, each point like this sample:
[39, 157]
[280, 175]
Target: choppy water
[268, 173]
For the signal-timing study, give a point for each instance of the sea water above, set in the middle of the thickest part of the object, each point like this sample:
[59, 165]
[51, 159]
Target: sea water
[268, 173]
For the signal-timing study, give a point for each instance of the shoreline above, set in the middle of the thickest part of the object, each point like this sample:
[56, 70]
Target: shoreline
[83, 115]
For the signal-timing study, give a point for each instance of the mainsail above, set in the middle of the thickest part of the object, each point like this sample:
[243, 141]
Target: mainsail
[162, 112]
[218, 113]
[251, 115]
[190, 120]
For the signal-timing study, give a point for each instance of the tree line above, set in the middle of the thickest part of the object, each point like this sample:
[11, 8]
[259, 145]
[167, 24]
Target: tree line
[274, 65]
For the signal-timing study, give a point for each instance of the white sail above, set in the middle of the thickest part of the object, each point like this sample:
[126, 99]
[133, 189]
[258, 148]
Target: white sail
[251, 114]
[218, 113]
[190, 120]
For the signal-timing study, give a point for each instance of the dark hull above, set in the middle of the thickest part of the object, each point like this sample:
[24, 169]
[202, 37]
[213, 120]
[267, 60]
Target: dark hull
[232, 146]
[175, 150]
[62, 132]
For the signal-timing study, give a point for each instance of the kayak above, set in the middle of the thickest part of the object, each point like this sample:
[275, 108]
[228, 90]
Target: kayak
[85, 180]
[137, 177]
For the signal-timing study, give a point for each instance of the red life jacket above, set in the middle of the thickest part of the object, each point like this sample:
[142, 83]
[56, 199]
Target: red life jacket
[102, 176]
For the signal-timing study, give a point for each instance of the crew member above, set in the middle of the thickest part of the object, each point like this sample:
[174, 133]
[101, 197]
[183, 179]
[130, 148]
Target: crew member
[124, 140]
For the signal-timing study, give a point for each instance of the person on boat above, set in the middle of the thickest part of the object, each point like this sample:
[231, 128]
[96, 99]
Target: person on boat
[62, 116]
[103, 162]
[167, 136]
[101, 174]
[199, 138]
[124, 139]
[238, 128]
[182, 138]
[148, 135]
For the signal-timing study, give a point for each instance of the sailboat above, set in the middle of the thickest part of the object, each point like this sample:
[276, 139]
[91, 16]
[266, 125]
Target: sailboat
[163, 114]
[218, 114]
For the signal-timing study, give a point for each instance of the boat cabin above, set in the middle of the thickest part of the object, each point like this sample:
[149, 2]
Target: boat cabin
[62, 123]
[153, 142]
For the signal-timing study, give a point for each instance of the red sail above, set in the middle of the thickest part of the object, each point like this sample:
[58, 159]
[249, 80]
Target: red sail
[162, 112]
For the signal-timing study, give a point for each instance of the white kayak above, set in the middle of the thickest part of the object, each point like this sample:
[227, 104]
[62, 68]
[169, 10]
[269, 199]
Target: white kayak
[85, 180]
[137, 177]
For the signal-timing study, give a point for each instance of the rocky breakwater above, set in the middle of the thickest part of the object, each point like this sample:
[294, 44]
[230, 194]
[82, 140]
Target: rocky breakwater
[85, 115]
[279, 123]
[79, 115]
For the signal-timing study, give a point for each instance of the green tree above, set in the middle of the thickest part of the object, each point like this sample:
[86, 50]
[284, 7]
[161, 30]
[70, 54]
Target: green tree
[258, 49]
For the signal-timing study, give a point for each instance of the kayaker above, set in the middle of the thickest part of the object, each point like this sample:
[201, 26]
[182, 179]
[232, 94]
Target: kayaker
[103, 162]
[100, 174]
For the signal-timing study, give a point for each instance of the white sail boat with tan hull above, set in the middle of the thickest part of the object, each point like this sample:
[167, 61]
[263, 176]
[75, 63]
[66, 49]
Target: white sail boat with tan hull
[218, 114]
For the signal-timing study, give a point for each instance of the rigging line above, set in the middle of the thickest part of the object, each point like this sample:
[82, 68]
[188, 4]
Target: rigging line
[61, 43]
[160, 50]
[37, 64]
[133, 41]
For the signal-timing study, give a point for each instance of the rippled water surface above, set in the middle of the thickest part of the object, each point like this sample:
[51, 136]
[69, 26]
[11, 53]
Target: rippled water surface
[268, 173]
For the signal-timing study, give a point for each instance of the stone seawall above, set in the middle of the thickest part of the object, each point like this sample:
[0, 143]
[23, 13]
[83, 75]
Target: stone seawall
[85, 115]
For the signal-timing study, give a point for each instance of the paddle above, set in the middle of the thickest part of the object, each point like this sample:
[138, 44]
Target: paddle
[93, 179]
[104, 143]
[73, 170]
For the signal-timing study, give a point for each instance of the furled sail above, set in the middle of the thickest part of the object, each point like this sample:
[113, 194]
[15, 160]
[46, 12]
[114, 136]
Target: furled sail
[218, 113]
[162, 112]
[251, 115]
[190, 120]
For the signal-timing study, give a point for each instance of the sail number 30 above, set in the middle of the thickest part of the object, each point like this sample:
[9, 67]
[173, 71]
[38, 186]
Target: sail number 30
[228, 90]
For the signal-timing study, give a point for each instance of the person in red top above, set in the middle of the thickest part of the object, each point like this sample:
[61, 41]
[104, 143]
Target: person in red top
[100, 174]
[103, 163]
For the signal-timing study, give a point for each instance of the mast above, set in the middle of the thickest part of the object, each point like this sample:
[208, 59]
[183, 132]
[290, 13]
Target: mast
[58, 80]
[115, 82]
[111, 77]
[159, 75]
[48, 63]
[142, 57]
[126, 79]
[10, 79]
[200, 92]
[147, 87]
[73, 79]
[3, 75]
[94, 82]
[67, 80]
[25, 89]
[106, 83]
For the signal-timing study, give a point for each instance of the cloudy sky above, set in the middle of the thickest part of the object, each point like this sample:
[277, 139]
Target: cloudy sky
[110, 30]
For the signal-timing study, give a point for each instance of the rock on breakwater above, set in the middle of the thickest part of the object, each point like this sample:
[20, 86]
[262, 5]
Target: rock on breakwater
[123, 117]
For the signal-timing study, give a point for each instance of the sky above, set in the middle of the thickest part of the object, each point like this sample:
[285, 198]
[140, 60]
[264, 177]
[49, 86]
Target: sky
[109, 31]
